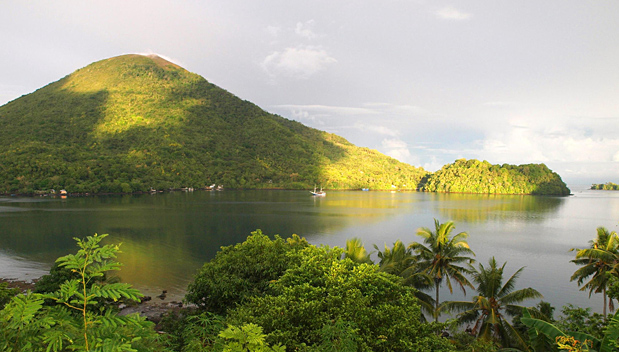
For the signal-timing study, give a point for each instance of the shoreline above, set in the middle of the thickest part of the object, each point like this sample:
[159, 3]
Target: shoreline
[151, 308]
[64, 196]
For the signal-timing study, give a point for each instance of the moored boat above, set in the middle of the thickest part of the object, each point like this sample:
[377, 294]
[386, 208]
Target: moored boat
[320, 193]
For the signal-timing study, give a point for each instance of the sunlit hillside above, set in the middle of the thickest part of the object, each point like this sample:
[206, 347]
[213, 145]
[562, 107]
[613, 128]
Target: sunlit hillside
[134, 122]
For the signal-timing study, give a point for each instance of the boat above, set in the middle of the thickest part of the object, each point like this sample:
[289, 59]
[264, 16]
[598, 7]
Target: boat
[318, 193]
[365, 189]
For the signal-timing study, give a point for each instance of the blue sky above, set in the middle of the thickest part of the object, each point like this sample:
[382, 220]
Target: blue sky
[426, 82]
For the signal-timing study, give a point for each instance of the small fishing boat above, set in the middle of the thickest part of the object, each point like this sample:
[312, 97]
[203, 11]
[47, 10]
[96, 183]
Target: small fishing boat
[318, 193]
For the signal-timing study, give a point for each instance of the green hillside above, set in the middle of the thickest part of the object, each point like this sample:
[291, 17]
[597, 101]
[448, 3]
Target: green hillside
[474, 176]
[133, 122]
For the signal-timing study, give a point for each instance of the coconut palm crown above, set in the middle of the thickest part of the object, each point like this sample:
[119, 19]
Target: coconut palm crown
[441, 257]
[400, 261]
[356, 252]
[599, 263]
[494, 302]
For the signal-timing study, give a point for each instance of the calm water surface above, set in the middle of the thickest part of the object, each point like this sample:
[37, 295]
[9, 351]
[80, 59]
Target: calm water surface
[167, 237]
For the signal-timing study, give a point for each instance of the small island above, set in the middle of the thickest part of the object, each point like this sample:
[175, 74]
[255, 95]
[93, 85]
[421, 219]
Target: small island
[608, 186]
[474, 176]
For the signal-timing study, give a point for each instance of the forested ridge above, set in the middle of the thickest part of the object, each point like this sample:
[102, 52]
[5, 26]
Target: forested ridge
[131, 123]
[474, 176]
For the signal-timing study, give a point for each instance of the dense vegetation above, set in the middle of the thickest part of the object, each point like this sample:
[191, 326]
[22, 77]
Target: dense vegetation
[474, 176]
[133, 122]
[608, 186]
[276, 295]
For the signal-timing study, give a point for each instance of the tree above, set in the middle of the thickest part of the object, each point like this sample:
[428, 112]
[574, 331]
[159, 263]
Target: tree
[599, 263]
[241, 271]
[356, 252]
[400, 261]
[576, 341]
[493, 303]
[74, 322]
[248, 338]
[440, 257]
[326, 302]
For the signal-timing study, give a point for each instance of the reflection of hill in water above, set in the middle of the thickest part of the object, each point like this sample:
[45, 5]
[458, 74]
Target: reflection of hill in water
[167, 237]
[475, 208]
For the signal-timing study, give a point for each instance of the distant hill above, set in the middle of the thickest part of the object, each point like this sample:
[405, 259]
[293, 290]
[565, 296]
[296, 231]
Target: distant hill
[474, 176]
[133, 122]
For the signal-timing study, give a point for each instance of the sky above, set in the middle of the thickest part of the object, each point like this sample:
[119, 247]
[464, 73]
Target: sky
[426, 82]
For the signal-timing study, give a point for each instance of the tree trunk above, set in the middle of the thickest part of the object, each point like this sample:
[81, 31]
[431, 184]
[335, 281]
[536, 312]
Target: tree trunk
[436, 284]
[604, 291]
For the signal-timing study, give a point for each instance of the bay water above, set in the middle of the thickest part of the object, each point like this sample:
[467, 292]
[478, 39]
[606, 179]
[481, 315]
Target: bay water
[166, 237]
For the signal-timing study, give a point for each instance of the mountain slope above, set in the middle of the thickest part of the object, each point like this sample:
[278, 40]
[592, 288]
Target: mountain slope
[133, 122]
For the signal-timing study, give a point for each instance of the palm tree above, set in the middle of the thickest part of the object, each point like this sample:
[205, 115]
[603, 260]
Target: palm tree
[356, 251]
[440, 255]
[492, 304]
[599, 263]
[399, 261]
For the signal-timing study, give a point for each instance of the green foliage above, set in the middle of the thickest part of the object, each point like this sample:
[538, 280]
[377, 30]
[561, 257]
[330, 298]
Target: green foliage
[192, 332]
[494, 303]
[441, 256]
[6, 293]
[133, 122]
[581, 320]
[27, 325]
[242, 271]
[356, 252]
[339, 336]
[374, 310]
[465, 342]
[248, 338]
[608, 186]
[599, 263]
[576, 340]
[474, 176]
[400, 261]
[57, 275]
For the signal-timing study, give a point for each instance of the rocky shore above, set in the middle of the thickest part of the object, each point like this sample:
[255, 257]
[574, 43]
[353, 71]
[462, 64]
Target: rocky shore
[152, 309]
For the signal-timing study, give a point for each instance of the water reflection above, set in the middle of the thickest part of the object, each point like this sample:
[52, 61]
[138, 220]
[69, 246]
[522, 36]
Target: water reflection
[476, 208]
[167, 237]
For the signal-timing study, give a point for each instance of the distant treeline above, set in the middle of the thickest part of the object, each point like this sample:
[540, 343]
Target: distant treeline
[608, 186]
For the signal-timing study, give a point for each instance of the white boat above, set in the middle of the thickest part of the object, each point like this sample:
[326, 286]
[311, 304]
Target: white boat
[318, 193]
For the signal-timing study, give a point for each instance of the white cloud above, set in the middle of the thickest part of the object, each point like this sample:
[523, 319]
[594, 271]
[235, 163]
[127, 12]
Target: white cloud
[305, 30]
[433, 165]
[396, 109]
[273, 31]
[546, 141]
[327, 110]
[297, 62]
[398, 149]
[381, 130]
[451, 13]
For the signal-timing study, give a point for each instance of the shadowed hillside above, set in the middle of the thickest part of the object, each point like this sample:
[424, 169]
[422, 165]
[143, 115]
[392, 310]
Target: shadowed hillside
[133, 122]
